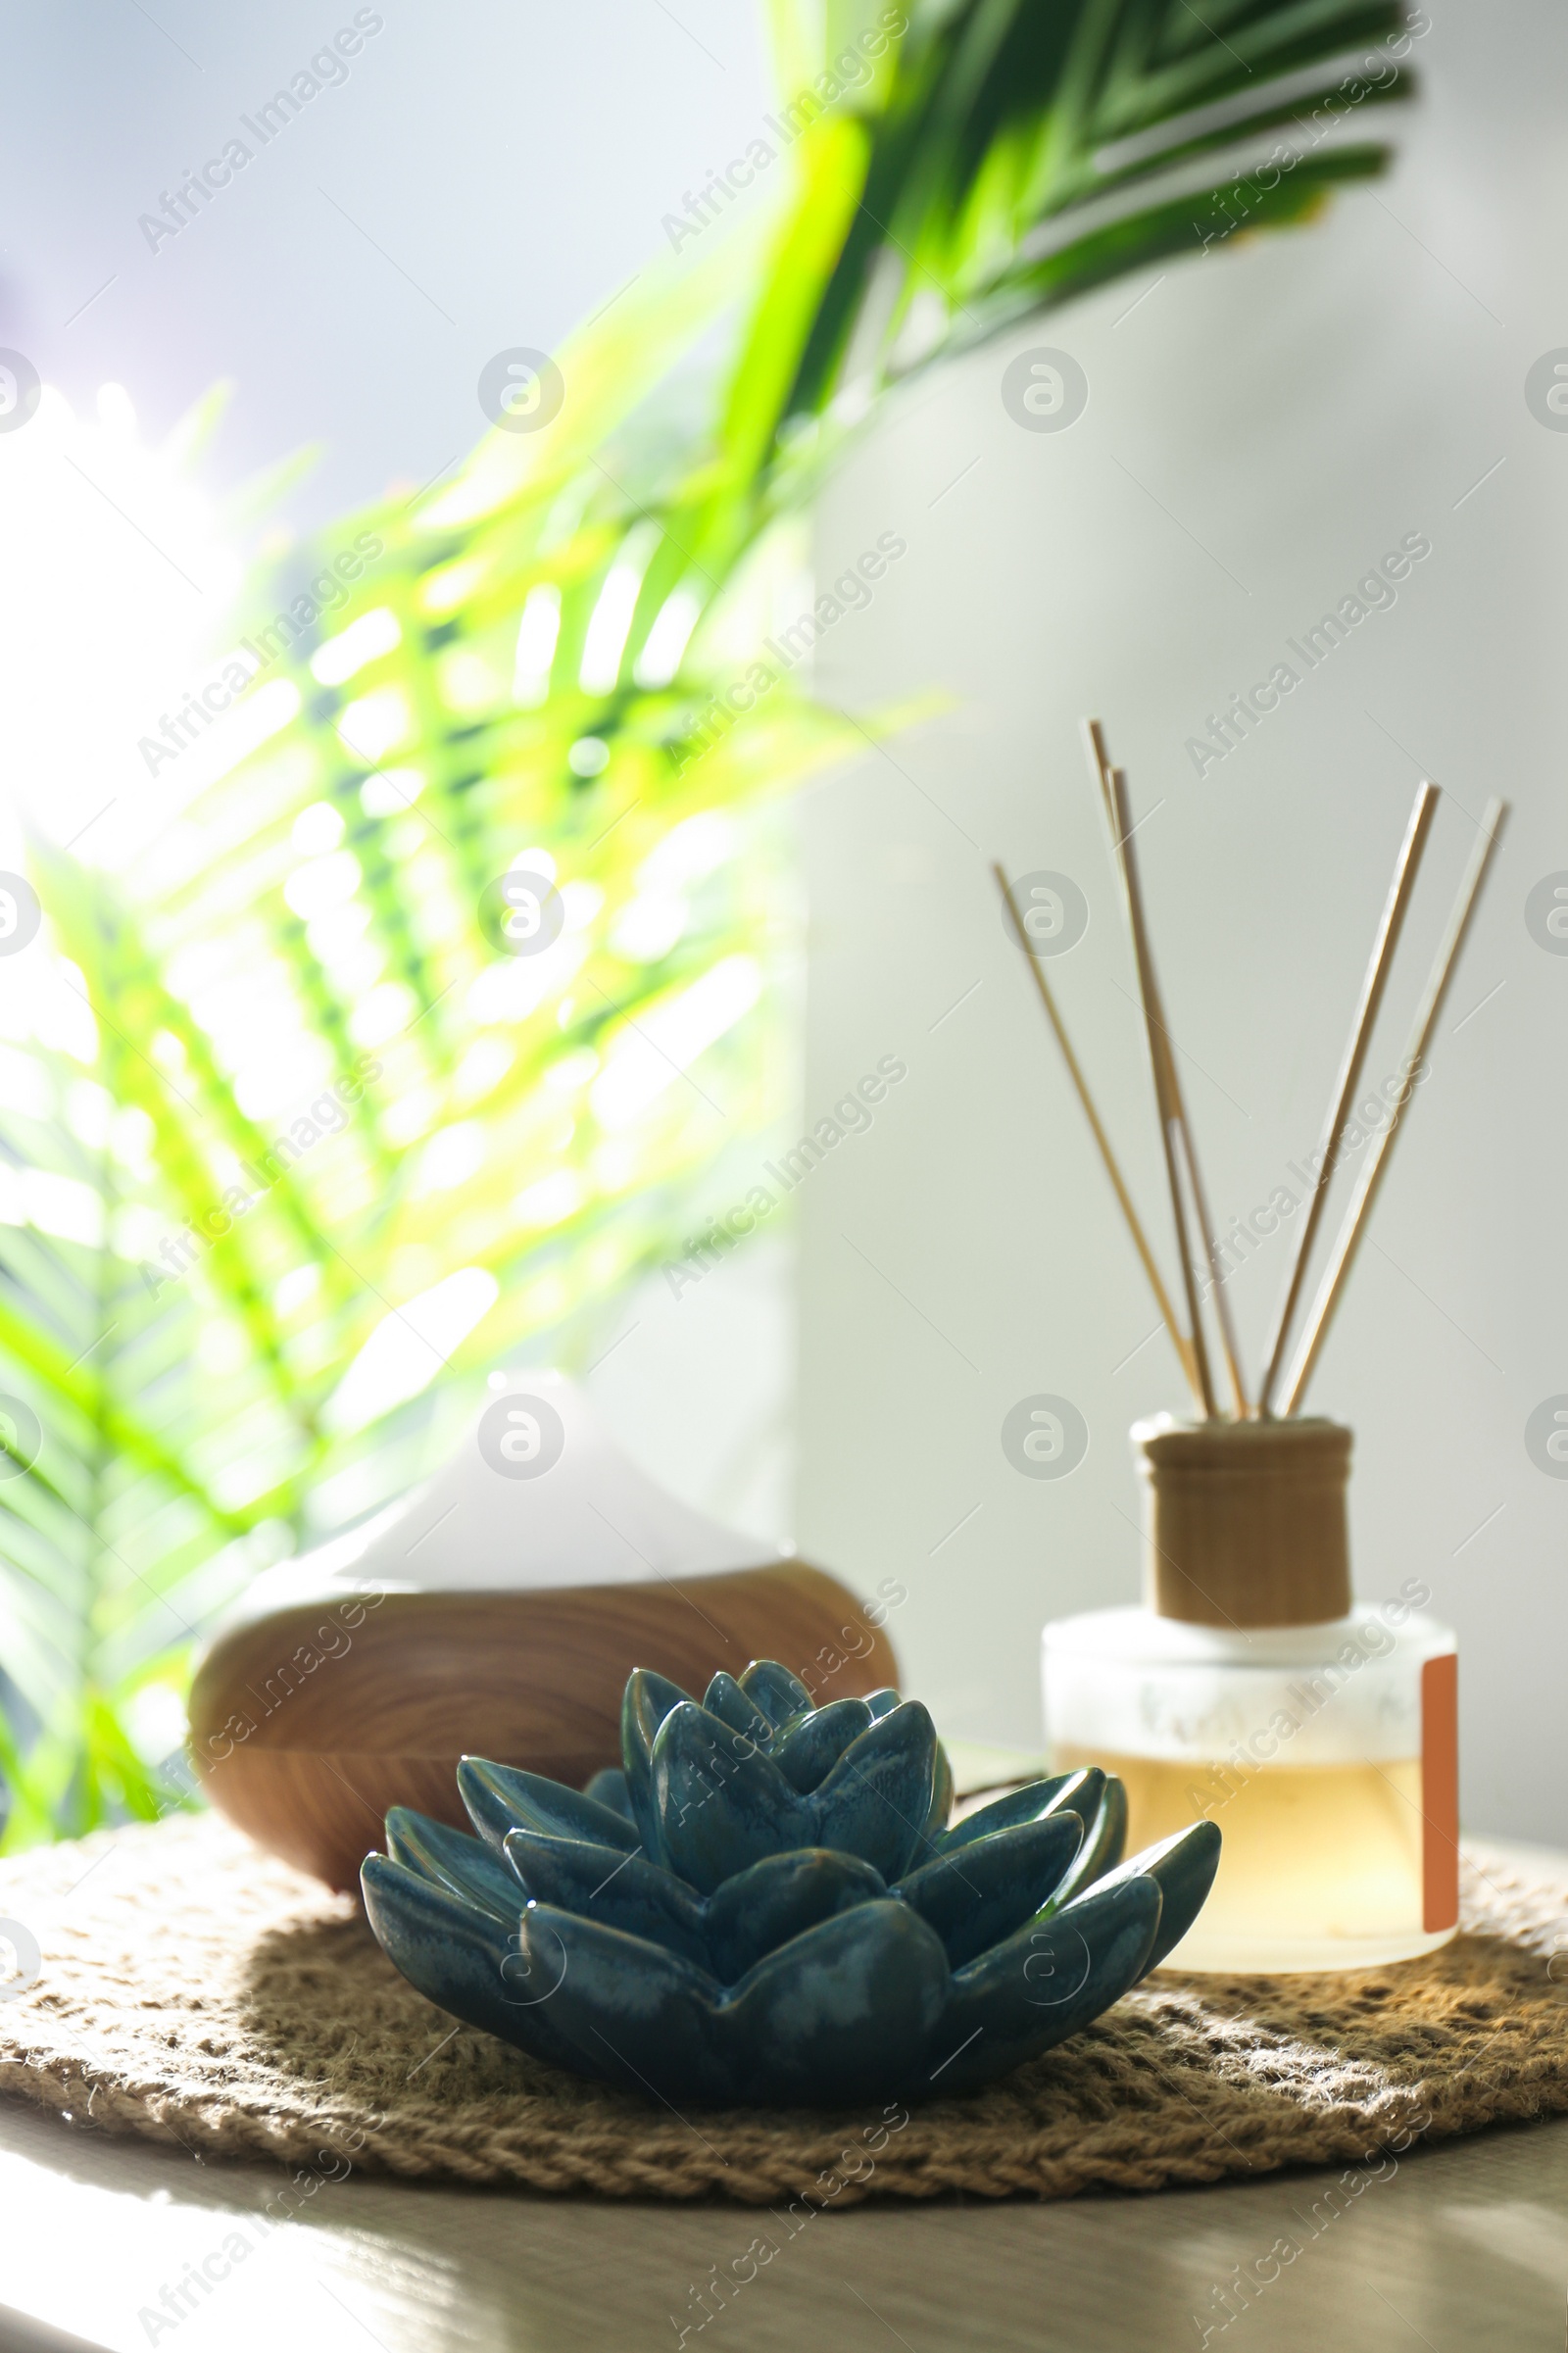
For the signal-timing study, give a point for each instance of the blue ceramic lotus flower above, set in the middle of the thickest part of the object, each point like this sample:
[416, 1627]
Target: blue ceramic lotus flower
[768, 1907]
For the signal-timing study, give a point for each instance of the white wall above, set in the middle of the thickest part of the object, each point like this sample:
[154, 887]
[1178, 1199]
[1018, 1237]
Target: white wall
[1261, 428]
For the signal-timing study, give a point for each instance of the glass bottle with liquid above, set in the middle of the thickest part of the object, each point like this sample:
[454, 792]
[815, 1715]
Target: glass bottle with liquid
[1319, 1736]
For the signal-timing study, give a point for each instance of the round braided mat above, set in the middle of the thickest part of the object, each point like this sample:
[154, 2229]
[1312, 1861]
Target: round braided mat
[195, 1991]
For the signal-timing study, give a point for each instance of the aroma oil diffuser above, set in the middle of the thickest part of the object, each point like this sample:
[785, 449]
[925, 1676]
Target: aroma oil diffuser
[499, 1606]
[1320, 1735]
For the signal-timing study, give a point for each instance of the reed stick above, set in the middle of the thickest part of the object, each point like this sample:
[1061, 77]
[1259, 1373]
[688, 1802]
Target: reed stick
[1160, 1063]
[1167, 1312]
[1219, 1294]
[1407, 868]
[1099, 760]
[1332, 1289]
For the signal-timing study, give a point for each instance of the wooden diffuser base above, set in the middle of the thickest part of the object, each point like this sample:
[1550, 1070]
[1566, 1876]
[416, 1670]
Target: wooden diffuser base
[308, 1757]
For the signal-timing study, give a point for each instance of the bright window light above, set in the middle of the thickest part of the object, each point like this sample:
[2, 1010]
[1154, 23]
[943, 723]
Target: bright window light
[317, 829]
[538, 628]
[89, 1110]
[466, 681]
[551, 1199]
[534, 861]
[363, 641]
[323, 882]
[693, 849]
[452, 1155]
[644, 1061]
[24, 1084]
[387, 792]
[278, 1084]
[482, 1068]
[409, 1347]
[54, 1204]
[648, 927]
[666, 640]
[300, 1284]
[103, 528]
[376, 723]
[605, 638]
[234, 737]
[444, 590]
[573, 1070]
[334, 935]
[388, 1009]
[517, 986]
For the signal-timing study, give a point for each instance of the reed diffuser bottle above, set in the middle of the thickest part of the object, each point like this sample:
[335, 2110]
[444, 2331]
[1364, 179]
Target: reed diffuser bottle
[1321, 1737]
[1318, 1734]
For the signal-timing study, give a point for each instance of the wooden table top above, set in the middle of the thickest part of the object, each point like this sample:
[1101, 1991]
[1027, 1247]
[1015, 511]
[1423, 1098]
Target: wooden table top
[1459, 2246]
[1464, 2247]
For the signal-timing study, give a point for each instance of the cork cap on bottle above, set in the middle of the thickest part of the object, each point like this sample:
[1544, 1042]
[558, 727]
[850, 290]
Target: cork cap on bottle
[1245, 1521]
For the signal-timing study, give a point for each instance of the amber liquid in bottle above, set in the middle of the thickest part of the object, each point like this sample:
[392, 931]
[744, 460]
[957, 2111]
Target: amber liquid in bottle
[1316, 1858]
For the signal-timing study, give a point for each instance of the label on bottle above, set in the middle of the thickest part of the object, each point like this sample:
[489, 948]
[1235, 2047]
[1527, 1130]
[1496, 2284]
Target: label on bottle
[1439, 1793]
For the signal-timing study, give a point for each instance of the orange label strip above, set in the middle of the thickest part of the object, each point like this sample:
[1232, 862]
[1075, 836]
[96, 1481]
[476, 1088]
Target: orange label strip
[1439, 1793]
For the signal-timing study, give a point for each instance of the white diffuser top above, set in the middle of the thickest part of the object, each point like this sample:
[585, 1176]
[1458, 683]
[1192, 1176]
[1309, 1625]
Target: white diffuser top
[537, 1495]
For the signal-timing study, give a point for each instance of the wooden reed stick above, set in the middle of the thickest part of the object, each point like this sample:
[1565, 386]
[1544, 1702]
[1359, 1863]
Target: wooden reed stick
[1099, 760]
[1182, 1344]
[1332, 1289]
[1219, 1294]
[1160, 1062]
[1405, 871]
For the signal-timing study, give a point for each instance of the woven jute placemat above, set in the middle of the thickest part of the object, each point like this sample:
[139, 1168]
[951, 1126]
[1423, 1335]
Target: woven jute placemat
[192, 1989]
